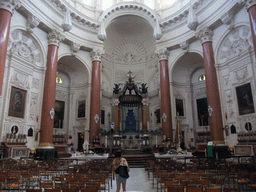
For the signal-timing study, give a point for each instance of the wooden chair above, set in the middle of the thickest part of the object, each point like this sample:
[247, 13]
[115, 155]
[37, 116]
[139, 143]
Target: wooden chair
[52, 189]
[44, 184]
[89, 189]
[175, 188]
[230, 188]
[34, 190]
[213, 189]
[204, 182]
[69, 188]
[194, 188]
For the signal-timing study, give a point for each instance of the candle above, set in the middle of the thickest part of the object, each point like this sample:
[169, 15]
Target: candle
[106, 141]
[156, 140]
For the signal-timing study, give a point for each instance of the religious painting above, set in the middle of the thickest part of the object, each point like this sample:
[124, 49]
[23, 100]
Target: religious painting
[59, 114]
[245, 99]
[17, 102]
[179, 107]
[81, 109]
[202, 112]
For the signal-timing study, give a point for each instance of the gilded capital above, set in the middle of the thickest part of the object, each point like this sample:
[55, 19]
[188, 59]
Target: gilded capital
[96, 54]
[205, 34]
[250, 3]
[10, 5]
[162, 53]
[54, 38]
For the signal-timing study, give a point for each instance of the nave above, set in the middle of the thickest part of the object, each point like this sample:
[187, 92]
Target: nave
[137, 182]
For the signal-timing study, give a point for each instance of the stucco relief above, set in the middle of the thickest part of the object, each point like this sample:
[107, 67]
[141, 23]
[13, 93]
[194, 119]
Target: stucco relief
[20, 80]
[226, 80]
[33, 106]
[130, 53]
[61, 95]
[201, 92]
[236, 42]
[10, 122]
[246, 118]
[35, 83]
[24, 46]
[230, 104]
[241, 74]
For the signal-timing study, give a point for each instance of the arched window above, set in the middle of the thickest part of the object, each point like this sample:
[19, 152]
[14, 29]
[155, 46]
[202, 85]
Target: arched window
[201, 78]
[59, 80]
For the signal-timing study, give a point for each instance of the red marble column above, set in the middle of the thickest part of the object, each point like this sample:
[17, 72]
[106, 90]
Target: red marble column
[6, 10]
[95, 97]
[252, 16]
[117, 120]
[213, 97]
[144, 117]
[165, 95]
[46, 132]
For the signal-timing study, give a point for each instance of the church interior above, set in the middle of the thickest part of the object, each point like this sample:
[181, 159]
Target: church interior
[164, 81]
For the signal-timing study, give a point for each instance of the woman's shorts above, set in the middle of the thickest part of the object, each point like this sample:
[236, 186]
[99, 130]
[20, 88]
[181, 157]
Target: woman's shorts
[120, 179]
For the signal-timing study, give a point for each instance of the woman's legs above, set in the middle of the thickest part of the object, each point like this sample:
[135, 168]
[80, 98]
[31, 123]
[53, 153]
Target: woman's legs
[118, 186]
[124, 186]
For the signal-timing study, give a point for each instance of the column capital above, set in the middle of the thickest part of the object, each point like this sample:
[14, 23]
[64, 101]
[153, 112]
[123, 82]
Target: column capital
[96, 54]
[54, 38]
[250, 3]
[10, 5]
[162, 53]
[145, 101]
[205, 34]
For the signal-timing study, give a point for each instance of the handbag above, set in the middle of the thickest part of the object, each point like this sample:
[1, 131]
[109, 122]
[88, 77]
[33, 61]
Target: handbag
[123, 172]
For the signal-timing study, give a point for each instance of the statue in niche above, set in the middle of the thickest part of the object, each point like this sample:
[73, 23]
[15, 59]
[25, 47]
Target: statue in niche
[117, 88]
[143, 88]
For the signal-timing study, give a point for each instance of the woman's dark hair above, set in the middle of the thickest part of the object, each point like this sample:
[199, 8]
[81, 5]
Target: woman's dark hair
[118, 153]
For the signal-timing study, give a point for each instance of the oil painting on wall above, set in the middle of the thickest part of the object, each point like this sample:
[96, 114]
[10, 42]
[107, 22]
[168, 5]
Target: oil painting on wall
[17, 102]
[245, 99]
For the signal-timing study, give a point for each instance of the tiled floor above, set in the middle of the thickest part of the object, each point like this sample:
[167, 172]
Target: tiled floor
[137, 182]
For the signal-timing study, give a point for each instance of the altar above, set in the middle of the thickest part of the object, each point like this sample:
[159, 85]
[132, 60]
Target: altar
[180, 157]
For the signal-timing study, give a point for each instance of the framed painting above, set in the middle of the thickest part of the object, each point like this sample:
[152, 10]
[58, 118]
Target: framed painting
[179, 107]
[245, 99]
[59, 114]
[81, 109]
[17, 102]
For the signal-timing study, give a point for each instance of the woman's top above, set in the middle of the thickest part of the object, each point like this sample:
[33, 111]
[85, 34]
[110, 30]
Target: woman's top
[119, 162]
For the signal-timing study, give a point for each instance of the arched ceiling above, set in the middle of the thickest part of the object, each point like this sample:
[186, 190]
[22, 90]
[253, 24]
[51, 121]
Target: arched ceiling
[75, 69]
[185, 66]
[129, 35]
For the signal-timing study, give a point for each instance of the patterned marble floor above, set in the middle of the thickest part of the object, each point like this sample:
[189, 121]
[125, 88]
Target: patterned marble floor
[137, 182]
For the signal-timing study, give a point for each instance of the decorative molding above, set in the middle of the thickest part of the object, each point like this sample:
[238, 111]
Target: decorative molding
[35, 83]
[184, 46]
[54, 38]
[20, 80]
[76, 17]
[201, 92]
[250, 3]
[75, 47]
[24, 46]
[33, 106]
[226, 79]
[228, 19]
[241, 74]
[205, 34]
[62, 95]
[163, 53]
[96, 54]
[10, 5]
[32, 22]
[19, 122]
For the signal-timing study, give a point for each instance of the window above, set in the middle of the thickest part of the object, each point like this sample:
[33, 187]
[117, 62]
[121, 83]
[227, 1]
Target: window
[201, 78]
[59, 80]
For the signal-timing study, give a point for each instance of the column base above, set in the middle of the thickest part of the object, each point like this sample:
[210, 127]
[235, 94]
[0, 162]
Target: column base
[46, 154]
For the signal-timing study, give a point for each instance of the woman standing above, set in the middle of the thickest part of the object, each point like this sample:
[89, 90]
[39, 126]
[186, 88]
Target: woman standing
[119, 161]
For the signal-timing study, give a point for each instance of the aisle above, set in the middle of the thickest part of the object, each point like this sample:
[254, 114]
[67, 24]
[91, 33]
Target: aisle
[138, 182]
